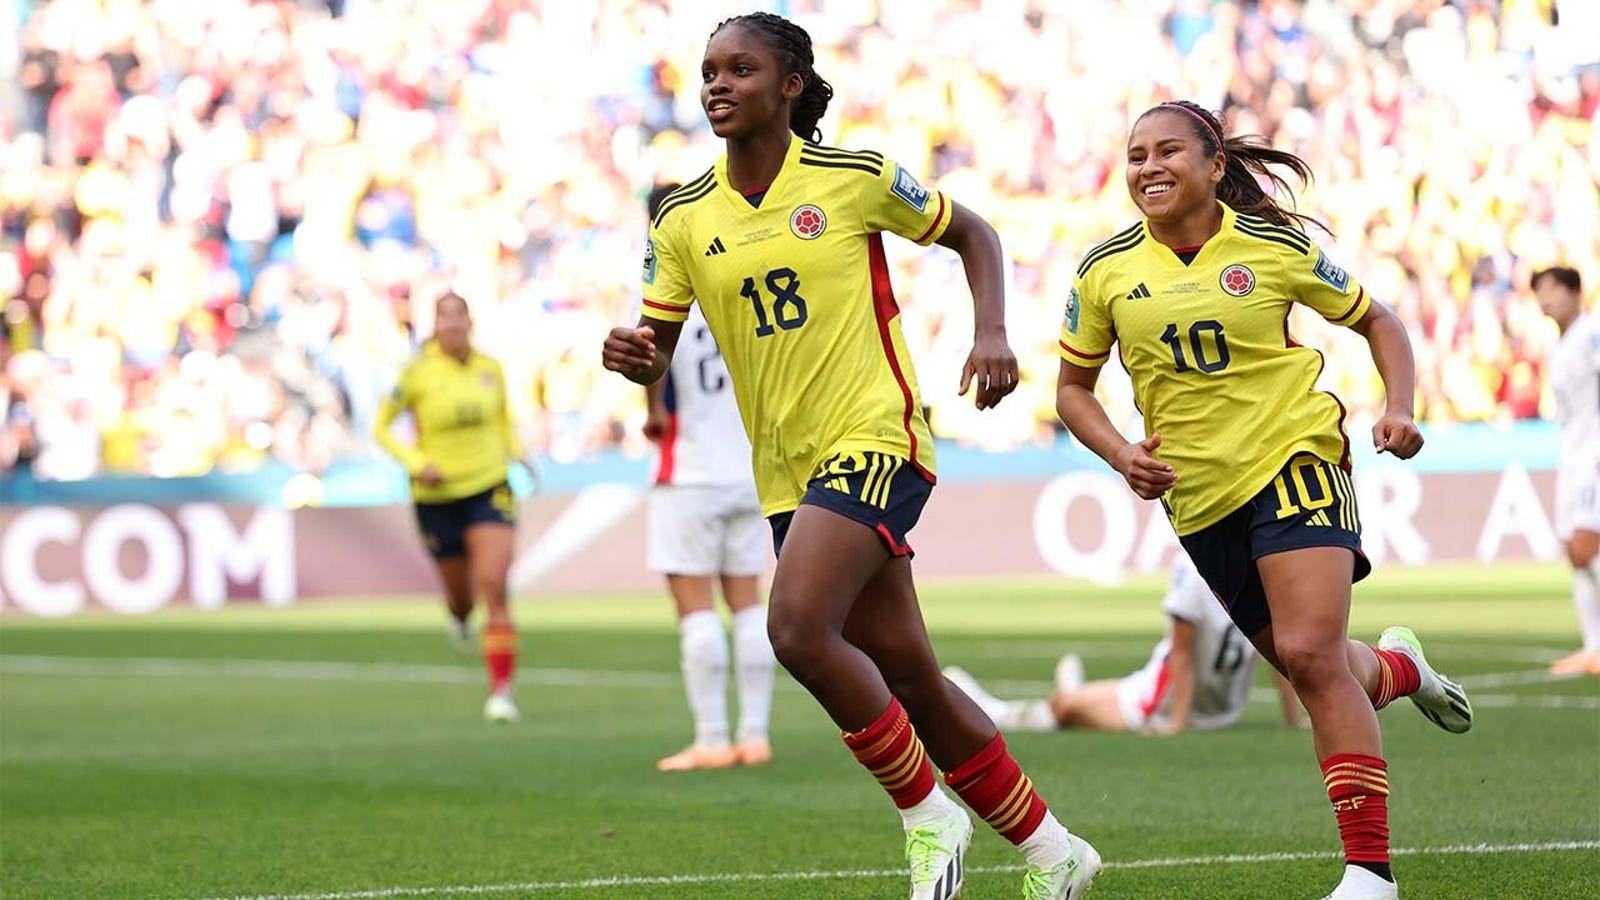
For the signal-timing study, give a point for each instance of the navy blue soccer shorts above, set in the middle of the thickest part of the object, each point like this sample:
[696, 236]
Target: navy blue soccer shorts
[885, 493]
[444, 525]
[1310, 503]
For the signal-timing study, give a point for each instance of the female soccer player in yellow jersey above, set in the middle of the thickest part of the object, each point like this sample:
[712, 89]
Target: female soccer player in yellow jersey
[781, 243]
[458, 467]
[1249, 459]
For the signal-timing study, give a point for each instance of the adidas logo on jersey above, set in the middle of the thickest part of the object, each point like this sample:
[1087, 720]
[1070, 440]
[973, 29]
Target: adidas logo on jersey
[1321, 518]
[716, 247]
[1139, 292]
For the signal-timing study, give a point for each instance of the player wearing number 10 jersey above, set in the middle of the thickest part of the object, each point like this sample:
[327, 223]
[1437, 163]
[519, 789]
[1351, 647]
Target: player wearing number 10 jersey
[1253, 463]
[780, 243]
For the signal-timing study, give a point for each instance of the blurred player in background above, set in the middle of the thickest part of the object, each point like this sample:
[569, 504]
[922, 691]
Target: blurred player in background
[1574, 369]
[705, 527]
[1254, 462]
[458, 466]
[1198, 677]
[781, 245]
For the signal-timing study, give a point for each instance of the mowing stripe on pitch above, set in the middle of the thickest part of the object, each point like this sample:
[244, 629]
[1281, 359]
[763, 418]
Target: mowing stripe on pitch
[482, 890]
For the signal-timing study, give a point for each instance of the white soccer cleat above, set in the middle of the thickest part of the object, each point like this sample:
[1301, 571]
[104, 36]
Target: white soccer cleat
[1069, 879]
[1441, 700]
[461, 635]
[501, 708]
[935, 855]
[1363, 884]
[1069, 673]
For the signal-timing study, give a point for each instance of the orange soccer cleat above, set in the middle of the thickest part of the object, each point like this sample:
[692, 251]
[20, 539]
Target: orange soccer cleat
[697, 757]
[753, 752]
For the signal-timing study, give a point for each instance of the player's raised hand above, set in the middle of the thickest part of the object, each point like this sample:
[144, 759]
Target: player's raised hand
[1149, 477]
[1396, 433]
[992, 367]
[631, 351]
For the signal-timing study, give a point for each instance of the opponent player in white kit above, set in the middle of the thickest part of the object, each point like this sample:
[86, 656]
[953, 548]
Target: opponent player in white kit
[1198, 677]
[705, 525]
[1574, 372]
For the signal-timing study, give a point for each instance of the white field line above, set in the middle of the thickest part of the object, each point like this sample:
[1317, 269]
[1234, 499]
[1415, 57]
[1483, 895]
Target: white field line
[1051, 650]
[466, 890]
[423, 673]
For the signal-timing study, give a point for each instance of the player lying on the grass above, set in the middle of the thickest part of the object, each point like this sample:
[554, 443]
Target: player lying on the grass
[465, 509]
[704, 530]
[1574, 371]
[1198, 678]
[781, 245]
[1249, 459]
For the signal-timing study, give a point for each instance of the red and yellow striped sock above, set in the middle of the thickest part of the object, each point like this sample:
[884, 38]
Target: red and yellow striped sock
[1358, 787]
[993, 785]
[1397, 677]
[891, 751]
[500, 655]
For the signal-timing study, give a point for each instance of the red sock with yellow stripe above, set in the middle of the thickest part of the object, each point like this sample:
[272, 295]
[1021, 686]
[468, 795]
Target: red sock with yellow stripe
[992, 784]
[1397, 677]
[1358, 787]
[891, 751]
[500, 655]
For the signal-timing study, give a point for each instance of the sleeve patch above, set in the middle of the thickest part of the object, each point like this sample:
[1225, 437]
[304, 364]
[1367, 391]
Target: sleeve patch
[1332, 275]
[650, 261]
[906, 188]
[1069, 319]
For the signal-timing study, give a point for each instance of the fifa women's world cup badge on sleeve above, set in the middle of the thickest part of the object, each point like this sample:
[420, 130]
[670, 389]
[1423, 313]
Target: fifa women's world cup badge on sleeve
[649, 273]
[1069, 318]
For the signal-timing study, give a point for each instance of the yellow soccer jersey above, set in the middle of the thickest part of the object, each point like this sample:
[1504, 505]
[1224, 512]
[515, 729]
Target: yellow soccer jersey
[463, 425]
[797, 295]
[1207, 345]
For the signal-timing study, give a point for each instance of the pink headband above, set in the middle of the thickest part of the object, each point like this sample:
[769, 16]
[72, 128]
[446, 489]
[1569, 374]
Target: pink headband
[1171, 104]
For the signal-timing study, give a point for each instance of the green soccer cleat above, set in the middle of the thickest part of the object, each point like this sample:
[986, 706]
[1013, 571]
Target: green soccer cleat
[1069, 879]
[1443, 701]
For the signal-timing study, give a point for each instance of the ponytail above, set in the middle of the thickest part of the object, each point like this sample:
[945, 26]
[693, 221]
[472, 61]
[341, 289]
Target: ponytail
[793, 44]
[1246, 158]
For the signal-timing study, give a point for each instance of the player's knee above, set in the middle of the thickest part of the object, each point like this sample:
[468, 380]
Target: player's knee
[1312, 664]
[1582, 555]
[798, 644]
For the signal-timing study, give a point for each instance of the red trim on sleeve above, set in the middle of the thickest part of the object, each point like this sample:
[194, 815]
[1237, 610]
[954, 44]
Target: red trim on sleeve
[1090, 357]
[884, 310]
[937, 218]
[1361, 294]
[667, 461]
[665, 307]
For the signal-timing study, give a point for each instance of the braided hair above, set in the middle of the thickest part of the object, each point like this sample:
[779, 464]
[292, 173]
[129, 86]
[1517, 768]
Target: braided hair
[793, 46]
[1244, 158]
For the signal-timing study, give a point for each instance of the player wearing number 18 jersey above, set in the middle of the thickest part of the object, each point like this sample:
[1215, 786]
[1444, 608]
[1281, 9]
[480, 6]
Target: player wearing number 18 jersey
[797, 292]
[780, 244]
[1253, 463]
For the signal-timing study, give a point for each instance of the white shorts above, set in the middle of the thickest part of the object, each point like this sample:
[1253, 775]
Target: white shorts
[706, 530]
[1577, 499]
[1139, 695]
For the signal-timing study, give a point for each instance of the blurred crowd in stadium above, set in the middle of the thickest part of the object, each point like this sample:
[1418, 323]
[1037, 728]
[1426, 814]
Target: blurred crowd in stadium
[223, 223]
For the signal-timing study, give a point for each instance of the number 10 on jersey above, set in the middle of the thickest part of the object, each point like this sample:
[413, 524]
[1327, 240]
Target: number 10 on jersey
[788, 307]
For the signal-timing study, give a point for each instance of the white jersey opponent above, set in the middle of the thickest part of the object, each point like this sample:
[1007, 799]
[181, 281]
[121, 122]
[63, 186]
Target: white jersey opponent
[1574, 368]
[1224, 661]
[705, 443]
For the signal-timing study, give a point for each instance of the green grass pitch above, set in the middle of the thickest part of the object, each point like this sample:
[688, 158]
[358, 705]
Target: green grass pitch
[335, 751]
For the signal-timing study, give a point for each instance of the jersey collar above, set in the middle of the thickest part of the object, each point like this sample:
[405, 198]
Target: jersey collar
[774, 190]
[1208, 250]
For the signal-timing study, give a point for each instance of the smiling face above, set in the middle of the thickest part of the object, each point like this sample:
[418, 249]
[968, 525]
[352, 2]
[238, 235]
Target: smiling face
[743, 87]
[1171, 173]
